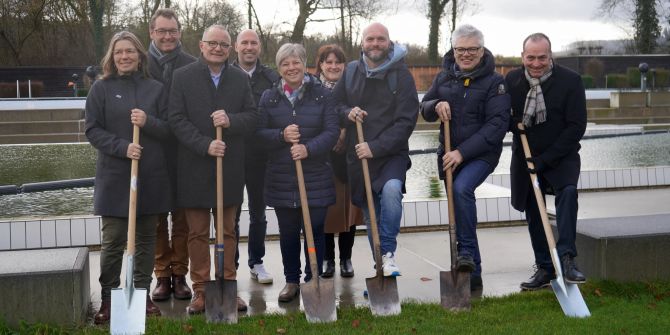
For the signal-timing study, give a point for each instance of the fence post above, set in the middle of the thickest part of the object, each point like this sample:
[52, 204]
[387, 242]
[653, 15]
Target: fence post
[18, 91]
[30, 89]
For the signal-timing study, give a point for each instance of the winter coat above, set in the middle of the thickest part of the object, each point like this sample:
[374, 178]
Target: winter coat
[387, 128]
[480, 108]
[315, 116]
[170, 145]
[193, 99]
[109, 130]
[556, 141]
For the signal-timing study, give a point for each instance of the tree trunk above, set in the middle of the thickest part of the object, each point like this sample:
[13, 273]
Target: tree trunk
[435, 12]
[97, 8]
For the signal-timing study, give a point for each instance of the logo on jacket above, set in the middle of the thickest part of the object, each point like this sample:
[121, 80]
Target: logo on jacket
[118, 96]
[501, 89]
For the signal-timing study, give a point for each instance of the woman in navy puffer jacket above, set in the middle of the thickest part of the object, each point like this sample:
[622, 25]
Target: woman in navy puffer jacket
[297, 122]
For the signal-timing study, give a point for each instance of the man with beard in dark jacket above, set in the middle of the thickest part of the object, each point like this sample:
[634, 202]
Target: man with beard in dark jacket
[382, 94]
[248, 48]
[470, 95]
[171, 260]
[550, 101]
[208, 94]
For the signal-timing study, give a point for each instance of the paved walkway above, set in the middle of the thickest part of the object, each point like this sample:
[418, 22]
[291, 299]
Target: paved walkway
[506, 253]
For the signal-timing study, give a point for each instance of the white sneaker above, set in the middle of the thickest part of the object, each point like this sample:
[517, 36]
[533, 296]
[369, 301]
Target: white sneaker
[389, 266]
[258, 272]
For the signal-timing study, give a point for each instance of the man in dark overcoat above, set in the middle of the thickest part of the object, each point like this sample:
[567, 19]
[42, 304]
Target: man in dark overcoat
[207, 94]
[171, 260]
[248, 48]
[381, 93]
[550, 101]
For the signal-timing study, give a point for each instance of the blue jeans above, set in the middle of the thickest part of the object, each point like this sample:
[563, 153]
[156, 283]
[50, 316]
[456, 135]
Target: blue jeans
[469, 177]
[388, 208]
[566, 221]
[254, 180]
[290, 227]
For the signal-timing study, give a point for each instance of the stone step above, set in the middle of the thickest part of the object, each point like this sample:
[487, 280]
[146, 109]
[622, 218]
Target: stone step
[42, 127]
[598, 103]
[641, 120]
[41, 115]
[43, 138]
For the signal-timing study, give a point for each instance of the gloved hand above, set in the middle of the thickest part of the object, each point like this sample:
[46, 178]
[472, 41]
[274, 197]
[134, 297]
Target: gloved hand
[539, 164]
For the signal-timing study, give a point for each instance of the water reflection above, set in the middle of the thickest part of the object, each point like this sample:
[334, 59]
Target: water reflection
[32, 163]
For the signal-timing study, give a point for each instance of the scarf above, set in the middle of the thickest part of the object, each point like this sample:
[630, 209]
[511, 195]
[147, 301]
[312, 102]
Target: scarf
[165, 60]
[534, 107]
[327, 83]
[294, 94]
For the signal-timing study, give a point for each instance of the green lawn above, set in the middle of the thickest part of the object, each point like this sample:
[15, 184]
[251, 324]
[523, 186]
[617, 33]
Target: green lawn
[639, 308]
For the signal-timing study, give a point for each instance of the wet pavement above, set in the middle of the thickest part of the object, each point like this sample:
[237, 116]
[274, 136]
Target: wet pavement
[507, 259]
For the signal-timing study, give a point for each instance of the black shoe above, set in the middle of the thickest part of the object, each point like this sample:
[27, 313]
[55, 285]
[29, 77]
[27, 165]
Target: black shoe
[476, 283]
[540, 279]
[330, 269]
[346, 269]
[570, 272]
[465, 264]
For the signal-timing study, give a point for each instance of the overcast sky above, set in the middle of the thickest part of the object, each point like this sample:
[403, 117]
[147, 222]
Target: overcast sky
[505, 23]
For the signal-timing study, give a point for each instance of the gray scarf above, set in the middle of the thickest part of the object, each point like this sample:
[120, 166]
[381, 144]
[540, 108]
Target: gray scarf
[535, 107]
[165, 60]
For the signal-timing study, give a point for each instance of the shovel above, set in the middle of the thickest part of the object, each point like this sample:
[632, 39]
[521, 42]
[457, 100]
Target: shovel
[568, 295]
[382, 291]
[318, 295]
[220, 294]
[128, 308]
[454, 285]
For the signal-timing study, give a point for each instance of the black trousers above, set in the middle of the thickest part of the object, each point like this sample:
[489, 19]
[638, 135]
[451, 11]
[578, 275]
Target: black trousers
[345, 242]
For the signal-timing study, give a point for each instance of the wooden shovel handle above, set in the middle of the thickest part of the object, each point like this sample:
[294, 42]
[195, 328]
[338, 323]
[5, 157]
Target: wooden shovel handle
[307, 222]
[536, 188]
[449, 185]
[219, 192]
[376, 244]
[132, 202]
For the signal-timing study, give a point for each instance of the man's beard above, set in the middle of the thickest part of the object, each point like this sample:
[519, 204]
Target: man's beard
[377, 58]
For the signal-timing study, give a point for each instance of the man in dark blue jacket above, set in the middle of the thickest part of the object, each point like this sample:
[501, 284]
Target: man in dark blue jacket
[470, 95]
[550, 100]
[381, 93]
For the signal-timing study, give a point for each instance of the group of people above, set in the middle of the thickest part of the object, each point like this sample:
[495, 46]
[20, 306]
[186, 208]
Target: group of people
[270, 119]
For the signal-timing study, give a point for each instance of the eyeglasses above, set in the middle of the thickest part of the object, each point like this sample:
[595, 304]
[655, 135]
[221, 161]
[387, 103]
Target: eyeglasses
[471, 51]
[163, 32]
[214, 44]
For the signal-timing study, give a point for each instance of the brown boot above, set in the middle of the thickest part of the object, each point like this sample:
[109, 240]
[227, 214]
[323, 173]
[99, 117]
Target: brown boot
[162, 290]
[241, 305]
[180, 288]
[197, 304]
[152, 309]
[289, 292]
[102, 317]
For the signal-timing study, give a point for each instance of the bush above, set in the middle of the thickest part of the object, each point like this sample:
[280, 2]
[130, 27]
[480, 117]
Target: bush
[617, 80]
[662, 78]
[8, 90]
[634, 77]
[587, 81]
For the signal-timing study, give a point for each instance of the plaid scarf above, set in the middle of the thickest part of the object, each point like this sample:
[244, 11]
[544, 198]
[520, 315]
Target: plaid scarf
[294, 94]
[165, 60]
[535, 107]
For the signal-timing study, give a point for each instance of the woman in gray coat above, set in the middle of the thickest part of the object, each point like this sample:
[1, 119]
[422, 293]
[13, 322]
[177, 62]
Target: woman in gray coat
[126, 97]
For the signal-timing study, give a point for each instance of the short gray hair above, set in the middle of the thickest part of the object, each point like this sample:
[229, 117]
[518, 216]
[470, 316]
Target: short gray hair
[291, 49]
[213, 27]
[466, 31]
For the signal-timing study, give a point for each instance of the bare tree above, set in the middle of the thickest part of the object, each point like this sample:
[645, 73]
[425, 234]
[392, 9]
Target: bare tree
[305, 9]
[19, 21]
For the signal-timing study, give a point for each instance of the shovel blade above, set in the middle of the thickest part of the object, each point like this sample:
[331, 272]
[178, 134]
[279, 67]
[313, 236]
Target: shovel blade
[128, 316]
[383, 295]
[570, 299]
[318, 298]
[455, 290]
[221, 301]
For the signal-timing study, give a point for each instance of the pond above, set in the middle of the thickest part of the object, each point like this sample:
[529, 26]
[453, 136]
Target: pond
[33, 163]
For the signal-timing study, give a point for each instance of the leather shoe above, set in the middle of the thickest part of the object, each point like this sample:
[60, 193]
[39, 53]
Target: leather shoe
[465, 264]
[540, 279]
[330, 269]
[180, 288]
[102, 317]
[570, 272]
[346, 269]
[152, 309]
[289, 292]
[197, 304]
[163, 289]
[241, 305]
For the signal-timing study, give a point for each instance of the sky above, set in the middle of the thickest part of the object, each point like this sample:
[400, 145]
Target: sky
[505, 23]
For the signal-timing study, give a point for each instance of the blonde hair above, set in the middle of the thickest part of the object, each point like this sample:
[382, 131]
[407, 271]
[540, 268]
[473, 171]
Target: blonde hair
[109, 68]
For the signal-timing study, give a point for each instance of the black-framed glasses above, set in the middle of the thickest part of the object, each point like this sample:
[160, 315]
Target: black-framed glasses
[214, 44]
[471, 51]
[163, 32]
